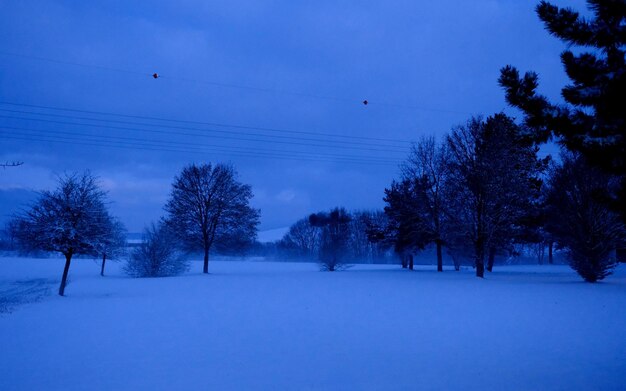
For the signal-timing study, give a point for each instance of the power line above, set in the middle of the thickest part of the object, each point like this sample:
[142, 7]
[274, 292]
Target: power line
[329, 144]
[206, 123]
[140, 142]
[152, 74]
[153, 147]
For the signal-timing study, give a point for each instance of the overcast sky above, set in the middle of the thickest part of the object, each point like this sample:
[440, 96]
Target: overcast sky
[301, 69]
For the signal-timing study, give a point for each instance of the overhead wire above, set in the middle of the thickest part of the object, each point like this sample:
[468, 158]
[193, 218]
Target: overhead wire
[169, 142]
[151, 146]
[227, 136]
[234, 126]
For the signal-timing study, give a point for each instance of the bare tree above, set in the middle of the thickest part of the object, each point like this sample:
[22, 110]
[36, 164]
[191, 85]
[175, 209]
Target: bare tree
[493, 177]
[206, 203]
[303, 239]
[71, 220]
[428, 162]
[158, 255]
[334, 237]
[113, 244]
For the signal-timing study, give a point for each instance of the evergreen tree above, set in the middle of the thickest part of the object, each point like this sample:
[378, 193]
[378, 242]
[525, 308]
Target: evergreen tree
[583, 224]
[593, 119]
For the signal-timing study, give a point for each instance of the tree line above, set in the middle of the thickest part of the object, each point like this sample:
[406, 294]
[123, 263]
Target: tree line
[207, 206]
[483, 188]
[476, 192]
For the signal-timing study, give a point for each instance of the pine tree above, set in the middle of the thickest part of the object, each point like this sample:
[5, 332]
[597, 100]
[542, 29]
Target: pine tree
[583, 224]
[592, 122]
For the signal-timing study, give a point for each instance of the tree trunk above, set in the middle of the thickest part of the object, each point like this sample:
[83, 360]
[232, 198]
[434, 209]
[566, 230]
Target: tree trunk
[206, 260]
[439, 257]
[68, 259]
[492, 257]
[104, 259]
[404, 261]
[480, 258]
[550, 245]
[480, 268]
[411, 262]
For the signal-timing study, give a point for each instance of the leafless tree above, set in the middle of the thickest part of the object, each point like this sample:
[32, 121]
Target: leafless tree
[428, 162]
[114, 243]
[302, 239]
[335, 234]
[72, 220]
[158, 255]
[493, 177]
[207, 202]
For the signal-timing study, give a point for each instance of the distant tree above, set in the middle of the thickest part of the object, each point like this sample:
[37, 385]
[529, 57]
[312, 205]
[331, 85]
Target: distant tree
[593, 119]
[361, 248]
[335, 233]
[113, 244]
[427, 162]
[157, 255]
[10, 164]
[408, 227]
[207, 203]
[303, 239]
[72, 220]
[586, 227]
[494, 176]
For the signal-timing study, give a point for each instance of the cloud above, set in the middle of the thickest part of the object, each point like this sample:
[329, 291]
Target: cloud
[286, 195]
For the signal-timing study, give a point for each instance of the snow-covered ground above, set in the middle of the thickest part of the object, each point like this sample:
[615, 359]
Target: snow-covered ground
[286, 326]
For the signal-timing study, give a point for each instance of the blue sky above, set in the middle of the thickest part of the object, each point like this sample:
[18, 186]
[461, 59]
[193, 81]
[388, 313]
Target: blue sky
[293, 66]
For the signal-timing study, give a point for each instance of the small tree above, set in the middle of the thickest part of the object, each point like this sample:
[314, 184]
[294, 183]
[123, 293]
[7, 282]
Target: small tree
[72, 220]
[157, 256]
[334, 237]
[408, 227]
[207, 203]
[303, 239]
[114, 242]
[586, 227]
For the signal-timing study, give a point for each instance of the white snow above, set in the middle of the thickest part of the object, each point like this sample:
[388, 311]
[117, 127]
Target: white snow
[287, 326]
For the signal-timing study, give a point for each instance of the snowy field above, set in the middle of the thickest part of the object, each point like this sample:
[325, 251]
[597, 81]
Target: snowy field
[286, 326]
